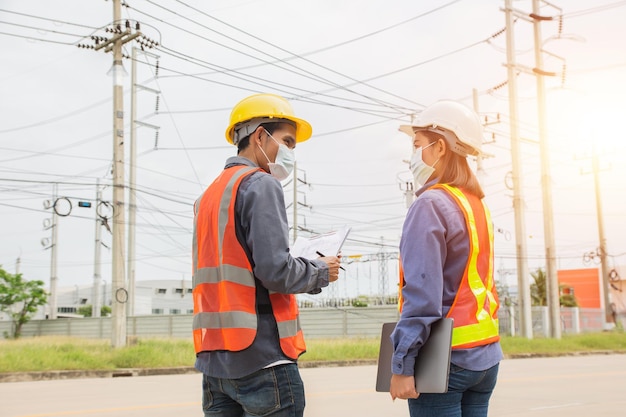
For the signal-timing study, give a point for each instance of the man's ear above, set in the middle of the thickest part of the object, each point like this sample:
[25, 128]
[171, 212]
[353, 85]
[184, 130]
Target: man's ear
[256, 135]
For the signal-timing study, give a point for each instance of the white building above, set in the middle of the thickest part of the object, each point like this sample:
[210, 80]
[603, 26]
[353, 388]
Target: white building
[151, 297]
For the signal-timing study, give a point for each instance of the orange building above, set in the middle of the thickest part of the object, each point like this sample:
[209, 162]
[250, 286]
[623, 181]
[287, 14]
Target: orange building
[586, 285]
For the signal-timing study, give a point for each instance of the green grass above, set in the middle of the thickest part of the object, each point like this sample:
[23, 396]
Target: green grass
[569, 344]
[64, 353]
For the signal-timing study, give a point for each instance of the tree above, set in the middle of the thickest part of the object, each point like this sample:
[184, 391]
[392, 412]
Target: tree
[503, 293]
[20, 299]
[538, 292]
[85, 311]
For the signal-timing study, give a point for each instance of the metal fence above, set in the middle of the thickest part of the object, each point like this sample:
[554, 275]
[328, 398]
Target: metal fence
[332, 322]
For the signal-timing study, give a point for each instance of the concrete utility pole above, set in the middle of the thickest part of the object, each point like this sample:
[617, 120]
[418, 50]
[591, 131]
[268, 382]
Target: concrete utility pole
[132, 178]
[53, 254]
[118, 288]
[608, 313]
[119, 292]
[552, 281]
[95, 295]
[479, 159]
[295, 202]
[518, 199]
[132, 182]
[383, 284]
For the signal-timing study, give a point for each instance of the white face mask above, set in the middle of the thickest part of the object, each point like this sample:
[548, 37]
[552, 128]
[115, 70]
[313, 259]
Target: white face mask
[421, 171]
[285, 160]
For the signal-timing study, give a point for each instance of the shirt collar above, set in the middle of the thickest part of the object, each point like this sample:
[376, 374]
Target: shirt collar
[238, 160]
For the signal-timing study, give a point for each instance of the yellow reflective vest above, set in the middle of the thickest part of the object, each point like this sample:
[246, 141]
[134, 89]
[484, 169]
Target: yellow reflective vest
[475, 306]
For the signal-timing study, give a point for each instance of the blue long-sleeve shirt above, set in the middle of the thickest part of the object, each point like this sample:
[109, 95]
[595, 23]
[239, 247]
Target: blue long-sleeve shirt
[434, 249]
[262, 230]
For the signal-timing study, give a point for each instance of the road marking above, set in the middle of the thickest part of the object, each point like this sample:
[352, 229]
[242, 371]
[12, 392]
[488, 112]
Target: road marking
[561, 376]
[109, 410]
[548, 407]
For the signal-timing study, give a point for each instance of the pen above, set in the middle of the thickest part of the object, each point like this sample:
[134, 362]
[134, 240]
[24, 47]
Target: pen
[322, 255]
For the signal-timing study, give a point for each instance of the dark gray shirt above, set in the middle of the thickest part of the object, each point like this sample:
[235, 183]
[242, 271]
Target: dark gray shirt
[262, 229]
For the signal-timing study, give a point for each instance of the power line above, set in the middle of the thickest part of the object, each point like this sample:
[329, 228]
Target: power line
[310, 74]
[48, 19]
[57, 118]
[594, 10]
[358, 38]
[42, 29]
[251, 90]
[30, 38]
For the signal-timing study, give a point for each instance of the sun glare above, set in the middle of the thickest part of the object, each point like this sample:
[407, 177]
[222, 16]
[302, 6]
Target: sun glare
[583, 121]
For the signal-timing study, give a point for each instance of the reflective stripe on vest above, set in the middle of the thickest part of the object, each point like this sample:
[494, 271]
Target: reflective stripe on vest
[224, 289]
[475, 306]
[287, 318]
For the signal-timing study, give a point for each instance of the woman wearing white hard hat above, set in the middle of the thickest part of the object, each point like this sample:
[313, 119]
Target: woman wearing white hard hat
[447, 264]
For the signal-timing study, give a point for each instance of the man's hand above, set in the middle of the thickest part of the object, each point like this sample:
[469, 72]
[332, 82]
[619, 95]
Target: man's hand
[333, 267]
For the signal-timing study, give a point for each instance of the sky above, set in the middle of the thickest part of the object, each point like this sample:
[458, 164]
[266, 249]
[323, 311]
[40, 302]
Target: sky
[355, 70]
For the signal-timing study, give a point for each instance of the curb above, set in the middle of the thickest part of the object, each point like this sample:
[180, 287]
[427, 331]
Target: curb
[114, 373]
[182, 370]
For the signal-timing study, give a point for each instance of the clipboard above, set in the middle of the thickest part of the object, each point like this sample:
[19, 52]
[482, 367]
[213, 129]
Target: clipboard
[327, 243]
[432, 365]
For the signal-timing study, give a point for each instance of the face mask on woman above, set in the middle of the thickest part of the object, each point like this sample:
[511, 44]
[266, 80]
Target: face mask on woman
[285, 160]
[421, 171]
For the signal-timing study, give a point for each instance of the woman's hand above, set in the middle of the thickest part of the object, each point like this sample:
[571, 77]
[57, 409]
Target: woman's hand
[403, 387]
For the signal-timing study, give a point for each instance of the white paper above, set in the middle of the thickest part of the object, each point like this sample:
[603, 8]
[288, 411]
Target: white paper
[328, 244]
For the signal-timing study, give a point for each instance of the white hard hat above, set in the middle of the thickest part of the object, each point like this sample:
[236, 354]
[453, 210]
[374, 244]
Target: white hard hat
[445, 117]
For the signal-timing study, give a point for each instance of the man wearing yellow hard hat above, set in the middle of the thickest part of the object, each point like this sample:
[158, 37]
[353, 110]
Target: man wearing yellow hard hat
[246, 328]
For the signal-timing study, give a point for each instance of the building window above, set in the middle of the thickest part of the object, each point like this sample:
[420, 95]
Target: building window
[189, 290]
[157, 311]
[174, 311]
[66, 309]
[178, 290]
[160, 290]
[190, 311]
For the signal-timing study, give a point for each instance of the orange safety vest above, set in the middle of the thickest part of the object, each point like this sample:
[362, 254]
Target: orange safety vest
[475, 306]
[224, 289]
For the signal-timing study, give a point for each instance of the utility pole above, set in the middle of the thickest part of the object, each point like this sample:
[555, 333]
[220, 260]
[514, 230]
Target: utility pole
[383, 286]
[552, 287]
[479, 159]
[132, 179]
[95, 296]
[295, 201]
[608, 314]
[119, 287]
[518, 199]
[483, 155]
[53, 251]
[132, 183]
[119, 292]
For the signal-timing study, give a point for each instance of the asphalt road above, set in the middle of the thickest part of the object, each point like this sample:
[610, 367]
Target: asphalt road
[573, 386]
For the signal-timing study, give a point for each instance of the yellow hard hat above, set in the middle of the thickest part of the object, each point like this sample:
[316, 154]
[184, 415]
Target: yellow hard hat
[250, 112]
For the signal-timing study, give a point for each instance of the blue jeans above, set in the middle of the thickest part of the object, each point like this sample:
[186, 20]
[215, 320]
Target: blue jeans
[468, 395]
[277, 391]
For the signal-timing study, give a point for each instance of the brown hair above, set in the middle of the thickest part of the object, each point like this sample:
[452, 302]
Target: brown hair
[453, 169]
